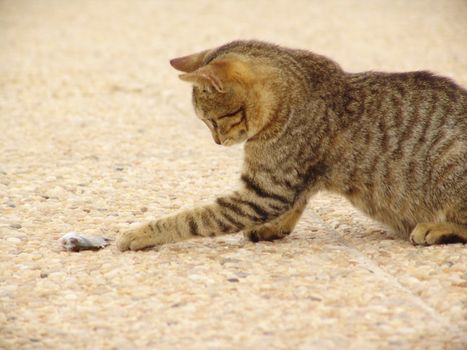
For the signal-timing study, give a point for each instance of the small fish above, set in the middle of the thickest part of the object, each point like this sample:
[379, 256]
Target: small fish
[74, 242]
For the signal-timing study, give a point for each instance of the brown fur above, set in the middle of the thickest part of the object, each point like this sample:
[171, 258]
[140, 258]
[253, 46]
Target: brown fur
[395, 145]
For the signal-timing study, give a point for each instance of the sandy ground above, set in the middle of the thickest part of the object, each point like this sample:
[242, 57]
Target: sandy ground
[97, 132]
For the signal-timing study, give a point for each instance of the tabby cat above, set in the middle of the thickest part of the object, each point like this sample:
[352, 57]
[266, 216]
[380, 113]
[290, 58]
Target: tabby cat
[395, 145]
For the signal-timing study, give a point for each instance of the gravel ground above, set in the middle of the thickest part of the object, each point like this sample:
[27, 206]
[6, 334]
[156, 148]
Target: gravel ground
[97, 132]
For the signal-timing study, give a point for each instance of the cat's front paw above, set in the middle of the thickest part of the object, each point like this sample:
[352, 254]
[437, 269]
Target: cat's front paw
[265, 233]
[137, 238]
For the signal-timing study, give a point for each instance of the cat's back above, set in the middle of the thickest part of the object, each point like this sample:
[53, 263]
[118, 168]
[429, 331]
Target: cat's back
[430, 95]
[408, 108]
[403, 155]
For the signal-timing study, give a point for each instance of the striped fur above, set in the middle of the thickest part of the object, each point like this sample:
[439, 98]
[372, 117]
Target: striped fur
[395, 145]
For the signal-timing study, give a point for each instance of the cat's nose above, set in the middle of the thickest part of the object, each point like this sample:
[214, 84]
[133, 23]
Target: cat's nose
[216, 140]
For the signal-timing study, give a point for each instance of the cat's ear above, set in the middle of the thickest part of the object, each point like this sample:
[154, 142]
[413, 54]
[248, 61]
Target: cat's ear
[189, 63]
[221, 72]
[206, 77]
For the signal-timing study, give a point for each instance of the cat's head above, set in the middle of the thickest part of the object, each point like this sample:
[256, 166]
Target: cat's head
[231, 94]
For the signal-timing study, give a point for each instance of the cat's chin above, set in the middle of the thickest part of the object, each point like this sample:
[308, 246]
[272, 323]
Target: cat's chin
[231, 142]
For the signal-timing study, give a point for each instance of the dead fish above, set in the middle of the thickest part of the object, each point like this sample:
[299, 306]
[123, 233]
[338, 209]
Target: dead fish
[74, 242]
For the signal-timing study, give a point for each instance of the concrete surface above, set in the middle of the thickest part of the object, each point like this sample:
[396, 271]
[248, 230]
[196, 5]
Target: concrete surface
[97, 132]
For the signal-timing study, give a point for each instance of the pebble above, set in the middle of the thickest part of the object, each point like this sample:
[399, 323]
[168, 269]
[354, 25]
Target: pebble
[8, 291]
[71, 296]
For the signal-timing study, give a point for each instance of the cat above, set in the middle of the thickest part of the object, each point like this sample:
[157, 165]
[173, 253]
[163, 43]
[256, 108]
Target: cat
[393, 144]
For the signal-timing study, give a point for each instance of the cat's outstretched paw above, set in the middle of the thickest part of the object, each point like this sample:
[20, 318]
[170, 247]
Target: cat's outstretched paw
[438, 233]
[265, 233]
[137, 238]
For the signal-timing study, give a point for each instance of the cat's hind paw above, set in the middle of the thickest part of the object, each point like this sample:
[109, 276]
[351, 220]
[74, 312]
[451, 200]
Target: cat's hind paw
[137, 238]
[438, 233]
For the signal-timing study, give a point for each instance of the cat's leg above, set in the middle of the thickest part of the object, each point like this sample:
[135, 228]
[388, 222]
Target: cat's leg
[438, 233]
[278, 228]
[243, 210]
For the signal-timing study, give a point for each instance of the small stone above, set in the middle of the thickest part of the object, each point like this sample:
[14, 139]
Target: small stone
[8, 291]
[44, 275]
[143, 209]
[230, 260]
[233, 280]
[241, 274]
[71, 296]
[314, 298]
[15, 226]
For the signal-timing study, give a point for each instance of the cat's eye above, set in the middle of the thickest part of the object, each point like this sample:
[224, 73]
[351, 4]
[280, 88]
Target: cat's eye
[231, 114]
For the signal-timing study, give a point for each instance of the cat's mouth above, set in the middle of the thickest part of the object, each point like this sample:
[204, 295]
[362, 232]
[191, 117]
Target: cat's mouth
[216, 138]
